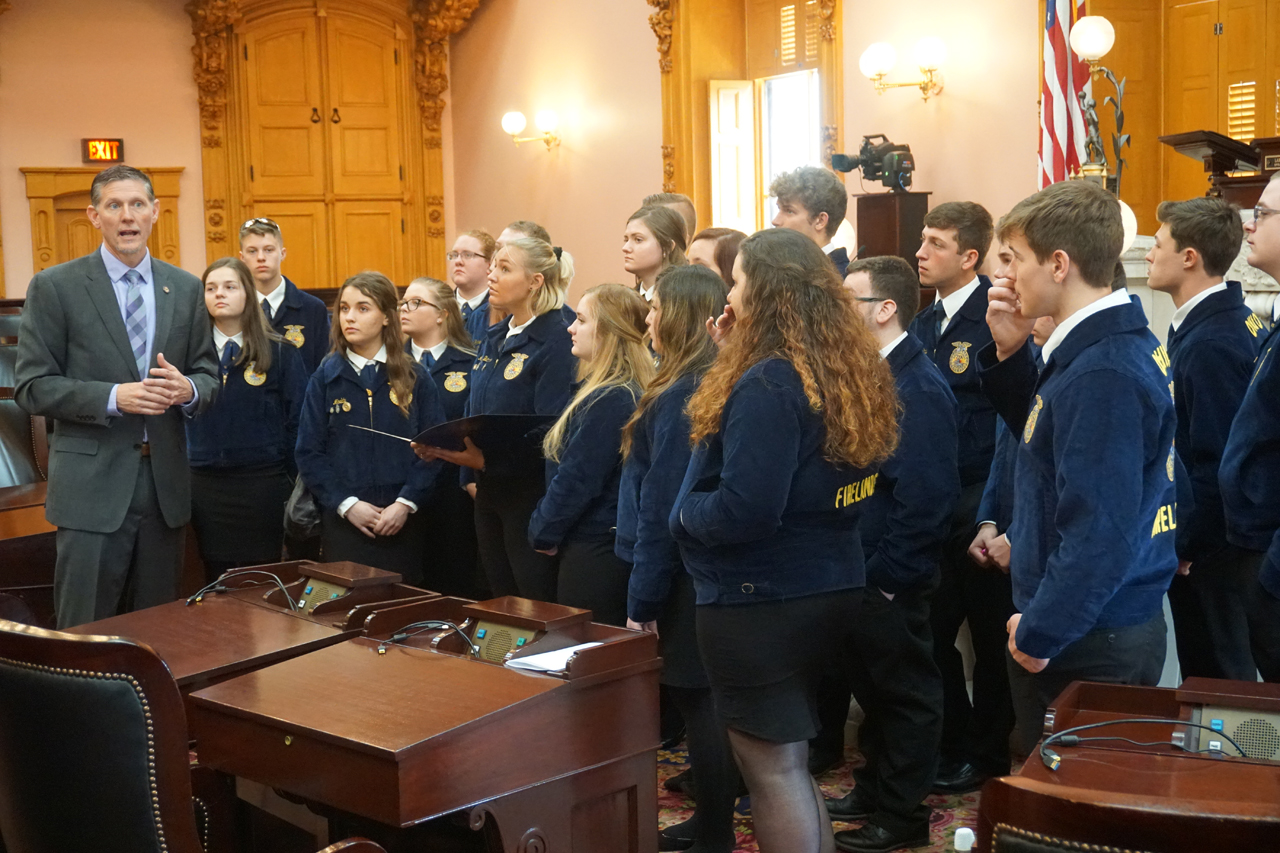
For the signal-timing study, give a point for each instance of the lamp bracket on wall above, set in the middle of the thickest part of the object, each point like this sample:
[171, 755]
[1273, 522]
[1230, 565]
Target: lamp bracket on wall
[546, 122]
[930, 86]
[930, 53]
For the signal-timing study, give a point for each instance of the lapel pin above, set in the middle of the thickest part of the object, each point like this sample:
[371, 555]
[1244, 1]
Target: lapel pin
[166, 290]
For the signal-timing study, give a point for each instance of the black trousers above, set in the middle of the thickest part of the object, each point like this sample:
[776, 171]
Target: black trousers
[592, 577]
[897, 683]
[133, 567]
[401, 553]
[450, 558]
[976, 731]
[1210, 615]
[1131, 655]
[502, 512]
[1264, 625]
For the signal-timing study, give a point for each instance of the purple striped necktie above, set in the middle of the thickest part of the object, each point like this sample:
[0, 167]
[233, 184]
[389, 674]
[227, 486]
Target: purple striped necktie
[135, 320]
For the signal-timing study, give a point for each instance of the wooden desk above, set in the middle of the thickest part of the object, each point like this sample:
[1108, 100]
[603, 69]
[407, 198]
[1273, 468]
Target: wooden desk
[1141, 798]
[539, 762]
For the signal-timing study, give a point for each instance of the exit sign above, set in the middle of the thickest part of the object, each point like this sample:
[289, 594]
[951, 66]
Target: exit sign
[102, 150]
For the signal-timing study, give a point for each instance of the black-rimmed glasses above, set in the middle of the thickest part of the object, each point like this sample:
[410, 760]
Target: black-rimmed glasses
[415, 303]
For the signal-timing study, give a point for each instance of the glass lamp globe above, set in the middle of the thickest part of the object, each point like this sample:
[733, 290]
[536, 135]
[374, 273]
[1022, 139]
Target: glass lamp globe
[546, 121]
[877, 60]
[930, 53]
[1091, 37]
[513, 123]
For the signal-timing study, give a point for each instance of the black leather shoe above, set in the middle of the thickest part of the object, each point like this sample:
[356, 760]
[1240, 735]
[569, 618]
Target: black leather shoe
[875, 839]
[674, 838]
[681, 783]
[965, 780]
[852, 806]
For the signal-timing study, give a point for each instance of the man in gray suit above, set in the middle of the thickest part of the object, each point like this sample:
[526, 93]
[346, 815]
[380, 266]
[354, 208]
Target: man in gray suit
[115, 349]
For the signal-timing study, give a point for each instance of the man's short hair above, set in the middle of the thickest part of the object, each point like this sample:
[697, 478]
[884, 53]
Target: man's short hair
[1211, 226]
[680, 201]
[891, 278]
[1076, 217]
[1119, 279]
[111, 174]
[970, 221]
[261, 226]
[815, 189]
[530, 229]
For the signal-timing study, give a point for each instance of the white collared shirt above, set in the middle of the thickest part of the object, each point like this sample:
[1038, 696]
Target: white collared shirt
[358, 362]
[515, 330]
[1111, 300]
[646, 294]
[436, 351]
[952, 304]
[275, 298]
[892, 345]
[220, 340]
[829, 248]
[474, 301]
[1181, 314]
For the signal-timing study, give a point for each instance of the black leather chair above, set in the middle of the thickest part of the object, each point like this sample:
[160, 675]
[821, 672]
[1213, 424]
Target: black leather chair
[93, 749]
[18, 463]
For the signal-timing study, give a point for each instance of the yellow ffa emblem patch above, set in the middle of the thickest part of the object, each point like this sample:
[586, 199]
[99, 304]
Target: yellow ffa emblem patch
[1168, 466]
[252, 376]
[395, 401]
[959, 361]
[293, 334]
[1030, 428]
[455, 382]
[516, 365]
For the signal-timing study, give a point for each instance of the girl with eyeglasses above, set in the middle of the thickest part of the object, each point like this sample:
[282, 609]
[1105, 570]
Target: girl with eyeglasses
[241, 447]
[371, 488]
[431, 320]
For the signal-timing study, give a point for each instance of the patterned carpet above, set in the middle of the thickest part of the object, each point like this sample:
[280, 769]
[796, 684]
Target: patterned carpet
[949, 813]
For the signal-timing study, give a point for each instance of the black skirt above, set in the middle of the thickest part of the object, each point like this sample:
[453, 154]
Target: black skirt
[401, 553]
[678, 637]
[238, 513]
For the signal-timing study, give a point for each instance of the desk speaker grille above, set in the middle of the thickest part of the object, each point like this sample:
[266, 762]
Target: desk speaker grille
[1258, 738]
[498, 646]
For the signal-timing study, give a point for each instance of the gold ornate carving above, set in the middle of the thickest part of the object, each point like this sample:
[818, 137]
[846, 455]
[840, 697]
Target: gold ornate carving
[437, 200]
[433, 22]
[827, 14]
[215, 204]
[215, 220]
[210, 20]
[668, 168]
[830, 135]
[438, 233]
[434, 142]
[217, 236]
[661, 24]
[211, 140]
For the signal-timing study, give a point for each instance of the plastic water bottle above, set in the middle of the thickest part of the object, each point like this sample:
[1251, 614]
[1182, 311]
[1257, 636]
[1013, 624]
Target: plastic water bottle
[964, 839]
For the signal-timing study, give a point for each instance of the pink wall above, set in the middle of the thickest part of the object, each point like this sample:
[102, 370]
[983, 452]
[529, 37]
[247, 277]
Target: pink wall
[596, 64]
[976, 141]
[77, 68]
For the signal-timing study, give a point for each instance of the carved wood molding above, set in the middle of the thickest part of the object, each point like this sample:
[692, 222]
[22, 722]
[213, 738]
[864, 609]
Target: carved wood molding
[211, 22]
[827, 14]
[661, 22]
[433, 22]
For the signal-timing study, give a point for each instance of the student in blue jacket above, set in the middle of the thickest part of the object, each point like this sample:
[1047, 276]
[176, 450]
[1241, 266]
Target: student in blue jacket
[1250, 474]
[370, 487]
[660, 598]
[469, 273]
[1213, 343]
[241, 447]
[438, 341]
[653, 240]
[525, 367]
[785, 426]
[1095, 510]
[297, 316]
[577, 517]
[905, 524]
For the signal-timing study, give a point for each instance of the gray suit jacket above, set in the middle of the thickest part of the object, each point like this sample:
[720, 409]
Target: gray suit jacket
[72, 348]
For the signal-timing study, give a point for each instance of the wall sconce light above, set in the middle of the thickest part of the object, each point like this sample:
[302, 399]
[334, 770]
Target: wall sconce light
[545, 120]
[929, 54]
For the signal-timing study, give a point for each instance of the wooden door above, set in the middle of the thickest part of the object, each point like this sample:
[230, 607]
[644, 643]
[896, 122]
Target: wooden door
[286, 114]
[1191, 90]
[304, 227]
[369, 235]
[1269, 102]
[1241, 66]
[74, 235]
[363, 114]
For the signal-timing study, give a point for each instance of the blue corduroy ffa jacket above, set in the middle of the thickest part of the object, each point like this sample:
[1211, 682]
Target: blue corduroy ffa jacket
[1250, 473]
[337, 462]
[651, 479]
[1213, 352]
[760, 514]
[1095, 510]
[582, 488]
[303, 320]
[907, 519]
[252, 423]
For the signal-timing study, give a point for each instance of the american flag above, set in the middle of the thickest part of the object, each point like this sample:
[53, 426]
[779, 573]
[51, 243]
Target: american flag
[1062, 130]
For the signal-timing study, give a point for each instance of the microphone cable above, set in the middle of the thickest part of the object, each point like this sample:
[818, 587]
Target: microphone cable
[1068, 737]
[408, 631]
[219, 586]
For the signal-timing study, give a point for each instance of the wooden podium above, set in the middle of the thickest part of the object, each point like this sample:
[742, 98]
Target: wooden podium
[1222, 155]
[1137, 796]
[890, 224]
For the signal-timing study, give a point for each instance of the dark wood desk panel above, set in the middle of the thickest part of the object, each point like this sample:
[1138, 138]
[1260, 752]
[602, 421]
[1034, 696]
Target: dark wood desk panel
[222, 635]
[339, 726]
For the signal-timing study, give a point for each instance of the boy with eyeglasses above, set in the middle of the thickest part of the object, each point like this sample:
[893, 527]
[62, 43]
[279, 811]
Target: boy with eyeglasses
[1250, 472]
[300, 318]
